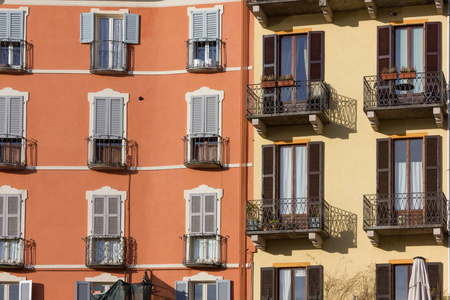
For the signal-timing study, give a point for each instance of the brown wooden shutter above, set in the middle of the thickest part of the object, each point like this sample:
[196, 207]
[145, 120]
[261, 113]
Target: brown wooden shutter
[435, 279]
[268, 172]
[267, 283]
[432, 164]
[383, 282]
[316, 55]
[432, 47]
[384, 166]
[385, 48]
[315, 169]
[314, 280]
[270, 55]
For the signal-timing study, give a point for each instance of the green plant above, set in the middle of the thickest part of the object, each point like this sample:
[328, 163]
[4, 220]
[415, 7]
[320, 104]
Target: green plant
[267, 78]
[286, 77]
[407, 70]
[274, 223]
[252, 211]
[389, 70]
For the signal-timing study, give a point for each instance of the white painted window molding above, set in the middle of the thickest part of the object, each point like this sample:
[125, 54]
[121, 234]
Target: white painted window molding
[203, 276]
[217, 7]
[110, 12]
[106, 191]
[8, 277]
[8, 190]
[104, 277]
[11, 92]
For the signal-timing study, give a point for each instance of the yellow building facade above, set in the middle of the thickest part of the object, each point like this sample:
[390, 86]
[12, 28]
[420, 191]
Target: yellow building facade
[350, 174]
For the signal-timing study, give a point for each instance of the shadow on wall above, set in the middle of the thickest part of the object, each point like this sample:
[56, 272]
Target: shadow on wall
[342, 110]
[161, 290]
[343, 231]
[132, 251]
[30, 253]
[37, 290]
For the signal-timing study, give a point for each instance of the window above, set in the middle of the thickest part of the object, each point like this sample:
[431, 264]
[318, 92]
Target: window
[98, 284]
[204, 141]
[292, 179]
[203, 286]
[301, 56]
[14, 288]
[205, 45]
[413, 184]
[105, 243]
[12, 39]
[292, 283]
[109, 33]
[392, 280]
[203, 240]
[108, 133]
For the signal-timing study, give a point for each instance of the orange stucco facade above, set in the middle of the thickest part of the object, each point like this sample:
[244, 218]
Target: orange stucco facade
[56, 176]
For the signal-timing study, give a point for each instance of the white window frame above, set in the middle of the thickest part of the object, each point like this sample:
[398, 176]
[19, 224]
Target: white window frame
[11, 92]
[113, 94]
[8, 190]
[190, 10]
[8, 279]
[201, 278]
[25, 15]
[204, 91]
[105, 279]
[106, 191]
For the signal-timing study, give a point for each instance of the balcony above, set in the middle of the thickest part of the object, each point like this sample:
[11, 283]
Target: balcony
[12, 56]
[109, 57]
[405, 213]
[13, 152]
[105, 251]
[11, 252]
[204, 151]
[204, 55]
[265, 10]
[204, 250]
[298, 103]
[288, 218]
[423, 96]
[107, 153]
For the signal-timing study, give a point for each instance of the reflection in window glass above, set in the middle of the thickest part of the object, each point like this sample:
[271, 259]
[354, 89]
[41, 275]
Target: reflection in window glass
[211, 288]
[13, 292]
[198, 291]
[401, 282]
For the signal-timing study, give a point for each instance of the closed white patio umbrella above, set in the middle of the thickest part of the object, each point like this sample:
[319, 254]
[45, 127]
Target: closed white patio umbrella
[419, 285]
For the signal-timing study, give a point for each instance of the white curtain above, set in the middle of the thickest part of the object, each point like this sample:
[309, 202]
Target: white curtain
[400, 181]
[205, 248]
[417, 54]
[114, 251]
[284, 285]
[117, 47]
[99, 251]
[300, 179]
[416, 168]
[285, 180]
[14, 250]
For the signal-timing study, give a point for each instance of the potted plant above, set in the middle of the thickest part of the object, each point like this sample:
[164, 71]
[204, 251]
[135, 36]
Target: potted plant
[286, 80]
[274, 224]
[389, 73]
[407, 73]
[252, 216]
[268, 81]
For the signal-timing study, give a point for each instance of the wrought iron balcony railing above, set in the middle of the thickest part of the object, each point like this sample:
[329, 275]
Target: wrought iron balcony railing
[107, 152]
[108, 57]
[278, 215]
[290, 97]
[12, 55]
[11, 252]
[13, 151]
[204, 250]
[204, 150]
[425, 88]
[204, 55]
[106, 251]
[405, 210]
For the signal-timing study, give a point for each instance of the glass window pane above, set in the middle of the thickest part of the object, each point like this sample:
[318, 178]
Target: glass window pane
[211, 290]
[401, 48]
[300, 284]
[400, 170]
[198, 291]
[416, 167]
[2, 292]
[13, 292]
[300, 179]
[301, 67]
[401, 282]
[284, 284]
[286, 66]
[417, 48]
[285, 185]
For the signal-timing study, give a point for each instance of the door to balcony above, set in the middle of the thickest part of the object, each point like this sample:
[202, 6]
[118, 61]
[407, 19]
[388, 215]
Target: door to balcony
[110, 44]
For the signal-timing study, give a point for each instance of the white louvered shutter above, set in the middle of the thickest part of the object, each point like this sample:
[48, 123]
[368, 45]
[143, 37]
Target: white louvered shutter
[212, 24]
[116, 117]
[2, 216]
[98, 214]
[13, 215]
[100, 116]
[114, 215]
[3, 115]
[87, 27]
[15, 115]
[212, 114]
[198, 25]
[16, 25]
[25, 289]
[197, 115]
[209, 214]
[181, 290]
[195, 214]
[223, 290]
[131, 28]
[4, 24]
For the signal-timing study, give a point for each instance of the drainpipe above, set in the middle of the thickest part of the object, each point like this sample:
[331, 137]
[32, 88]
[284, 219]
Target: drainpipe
[448, 135]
